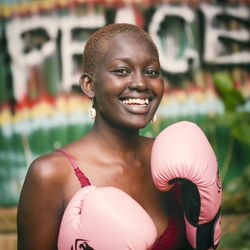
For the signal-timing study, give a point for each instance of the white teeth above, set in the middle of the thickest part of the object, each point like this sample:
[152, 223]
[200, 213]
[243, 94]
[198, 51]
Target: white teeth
[137, 101]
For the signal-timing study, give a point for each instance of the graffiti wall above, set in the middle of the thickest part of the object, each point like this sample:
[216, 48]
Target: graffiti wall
[204, 51]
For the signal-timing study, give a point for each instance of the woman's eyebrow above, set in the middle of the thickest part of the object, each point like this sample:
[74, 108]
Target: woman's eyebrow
[130, 60]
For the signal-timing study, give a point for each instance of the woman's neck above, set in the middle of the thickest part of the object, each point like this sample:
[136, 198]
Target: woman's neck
[116, 138]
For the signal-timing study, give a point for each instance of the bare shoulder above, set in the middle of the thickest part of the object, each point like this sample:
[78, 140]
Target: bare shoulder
[48, 168]
[41, 203]
[45, 182]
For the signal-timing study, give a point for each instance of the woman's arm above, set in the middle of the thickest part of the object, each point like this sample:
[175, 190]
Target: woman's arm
[40, 207]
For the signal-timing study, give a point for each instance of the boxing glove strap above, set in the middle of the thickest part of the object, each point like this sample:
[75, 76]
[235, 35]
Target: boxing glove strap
[200, 236]
[206, 233]
[204, 236]
[190, 199]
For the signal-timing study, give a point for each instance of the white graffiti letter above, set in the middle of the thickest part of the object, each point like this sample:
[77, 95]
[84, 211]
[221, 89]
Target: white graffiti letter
[174, 57]
[214, 50]
[22, 61]
[72, 47]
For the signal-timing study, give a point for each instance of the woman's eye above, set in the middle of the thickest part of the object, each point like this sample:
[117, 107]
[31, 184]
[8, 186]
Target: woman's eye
[121, 71]
[152, 73]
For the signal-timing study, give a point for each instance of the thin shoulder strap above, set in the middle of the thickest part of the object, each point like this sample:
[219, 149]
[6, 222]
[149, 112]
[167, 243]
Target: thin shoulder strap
[80, 175]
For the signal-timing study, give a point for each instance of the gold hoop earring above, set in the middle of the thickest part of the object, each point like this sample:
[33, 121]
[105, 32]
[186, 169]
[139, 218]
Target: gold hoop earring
[92, 111]
[154, 119]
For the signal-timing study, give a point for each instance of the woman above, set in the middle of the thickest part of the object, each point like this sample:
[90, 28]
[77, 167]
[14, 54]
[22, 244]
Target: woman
[122, 77]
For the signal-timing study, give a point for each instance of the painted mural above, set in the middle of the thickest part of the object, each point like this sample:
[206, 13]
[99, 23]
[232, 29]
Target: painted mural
[204, 49]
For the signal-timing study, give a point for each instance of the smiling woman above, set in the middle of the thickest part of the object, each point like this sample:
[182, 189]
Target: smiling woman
[94, 190]
[127, 76]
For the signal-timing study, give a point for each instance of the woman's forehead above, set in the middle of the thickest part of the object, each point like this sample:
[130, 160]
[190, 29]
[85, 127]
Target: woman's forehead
[128, 37]
[125, 45]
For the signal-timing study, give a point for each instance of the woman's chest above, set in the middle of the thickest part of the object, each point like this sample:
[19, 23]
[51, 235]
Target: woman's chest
[137, 184]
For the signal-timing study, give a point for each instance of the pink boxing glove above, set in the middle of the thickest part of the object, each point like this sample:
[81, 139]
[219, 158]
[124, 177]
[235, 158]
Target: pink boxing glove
[105, 219]
[182, 153]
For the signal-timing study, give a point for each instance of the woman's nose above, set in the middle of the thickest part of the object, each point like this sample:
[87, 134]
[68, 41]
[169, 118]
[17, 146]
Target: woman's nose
[138, 83]
[140, 86]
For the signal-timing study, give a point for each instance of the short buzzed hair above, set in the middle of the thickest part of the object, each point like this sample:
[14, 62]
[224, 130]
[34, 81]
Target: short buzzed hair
[97, 43]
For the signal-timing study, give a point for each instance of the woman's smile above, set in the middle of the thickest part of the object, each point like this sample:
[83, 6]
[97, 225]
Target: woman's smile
[136, 105]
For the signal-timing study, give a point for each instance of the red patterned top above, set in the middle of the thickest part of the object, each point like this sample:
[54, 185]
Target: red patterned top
[174, 237]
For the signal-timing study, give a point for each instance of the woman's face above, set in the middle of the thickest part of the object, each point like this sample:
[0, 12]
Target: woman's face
[128, 85]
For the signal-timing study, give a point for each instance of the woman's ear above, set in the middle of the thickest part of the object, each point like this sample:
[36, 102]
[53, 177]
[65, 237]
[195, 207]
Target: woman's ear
[86, 83]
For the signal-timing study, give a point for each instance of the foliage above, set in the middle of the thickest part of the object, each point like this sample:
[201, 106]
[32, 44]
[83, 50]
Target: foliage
[238, 239]
[238, 121]
[236, 196]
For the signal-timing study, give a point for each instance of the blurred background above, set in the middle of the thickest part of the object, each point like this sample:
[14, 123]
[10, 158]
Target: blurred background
[204, 51]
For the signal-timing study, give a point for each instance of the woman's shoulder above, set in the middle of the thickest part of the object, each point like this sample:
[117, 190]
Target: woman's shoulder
[48, 168]
[42, 202]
